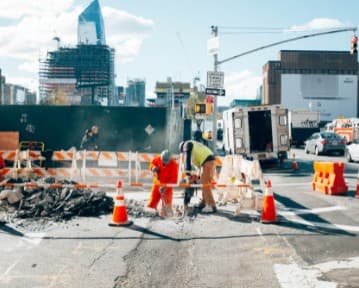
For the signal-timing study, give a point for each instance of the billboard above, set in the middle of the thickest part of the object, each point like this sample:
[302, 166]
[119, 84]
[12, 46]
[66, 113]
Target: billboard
[331, 95]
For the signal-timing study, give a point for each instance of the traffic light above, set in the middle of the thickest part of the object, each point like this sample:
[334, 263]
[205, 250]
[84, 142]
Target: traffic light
[353, 45]
[204, 108]
[209, 108]
[200, 108]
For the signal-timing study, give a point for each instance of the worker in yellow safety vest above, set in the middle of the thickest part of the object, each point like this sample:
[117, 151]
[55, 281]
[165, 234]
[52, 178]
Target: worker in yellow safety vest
[203, 159]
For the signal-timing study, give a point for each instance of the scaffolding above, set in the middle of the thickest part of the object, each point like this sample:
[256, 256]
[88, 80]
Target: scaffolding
[81, 75]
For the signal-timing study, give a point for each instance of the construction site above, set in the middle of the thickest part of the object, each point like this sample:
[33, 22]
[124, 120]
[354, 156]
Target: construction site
[81, 75]
[98, 190]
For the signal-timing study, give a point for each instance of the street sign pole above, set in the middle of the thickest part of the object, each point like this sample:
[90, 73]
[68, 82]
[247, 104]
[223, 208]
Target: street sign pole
[215, 108]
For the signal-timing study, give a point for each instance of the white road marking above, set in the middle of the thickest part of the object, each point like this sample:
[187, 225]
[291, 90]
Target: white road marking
[293, 276]
[260, 233]
[7, 272]
[295, 212]
[292, 184]
[349, 228]
[34, 238]
[349, 263]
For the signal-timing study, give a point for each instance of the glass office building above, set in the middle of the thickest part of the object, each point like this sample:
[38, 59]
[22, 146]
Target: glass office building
[91, 29]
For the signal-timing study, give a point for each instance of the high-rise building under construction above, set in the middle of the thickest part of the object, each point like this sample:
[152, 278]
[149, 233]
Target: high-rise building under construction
[83, 74]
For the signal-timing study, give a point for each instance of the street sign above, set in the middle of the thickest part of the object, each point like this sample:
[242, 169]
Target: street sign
[215, 79]
[213, 45]
[215, 92]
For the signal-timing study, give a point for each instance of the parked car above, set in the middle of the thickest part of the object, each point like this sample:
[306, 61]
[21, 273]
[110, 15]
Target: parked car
[325, 143]
[352, 151]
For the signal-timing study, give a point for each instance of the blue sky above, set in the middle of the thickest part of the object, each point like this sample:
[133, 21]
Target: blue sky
[155, 39]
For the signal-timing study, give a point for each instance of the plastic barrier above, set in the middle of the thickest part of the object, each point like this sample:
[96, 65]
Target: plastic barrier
[107, 164]
[329, 178]
[236, 171]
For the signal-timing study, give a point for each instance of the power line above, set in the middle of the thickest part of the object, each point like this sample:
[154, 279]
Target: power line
[185, 52]
[353, 29]
[250, 28]
[251, 32]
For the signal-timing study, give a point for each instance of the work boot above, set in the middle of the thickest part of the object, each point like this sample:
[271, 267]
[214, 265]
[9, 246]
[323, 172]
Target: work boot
[209, 209]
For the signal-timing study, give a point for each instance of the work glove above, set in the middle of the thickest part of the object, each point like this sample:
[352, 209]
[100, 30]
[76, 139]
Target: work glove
[162, 190]
[155, 170]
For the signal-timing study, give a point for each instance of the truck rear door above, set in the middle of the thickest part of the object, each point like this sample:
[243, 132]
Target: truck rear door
[281, 129]
[239, 128]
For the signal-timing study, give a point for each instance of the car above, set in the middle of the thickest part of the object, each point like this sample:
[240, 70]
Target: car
[325, 143]
[352, 151]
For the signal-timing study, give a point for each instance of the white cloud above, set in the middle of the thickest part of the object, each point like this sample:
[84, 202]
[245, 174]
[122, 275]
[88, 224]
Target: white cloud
[33, 32]
[34, 24]
[15, 9]
[240, 85]
[126, 32]
[317, 23]
[32, 67]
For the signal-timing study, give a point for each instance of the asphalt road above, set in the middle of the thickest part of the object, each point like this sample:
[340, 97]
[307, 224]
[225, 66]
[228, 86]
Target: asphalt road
[314, 244]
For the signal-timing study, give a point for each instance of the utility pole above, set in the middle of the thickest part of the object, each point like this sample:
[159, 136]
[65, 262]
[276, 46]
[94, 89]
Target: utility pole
[215, 103]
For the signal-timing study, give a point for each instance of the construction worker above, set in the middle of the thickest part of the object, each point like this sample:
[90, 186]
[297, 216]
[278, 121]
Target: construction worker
[165, 171]
[89, 140]
[204, 160]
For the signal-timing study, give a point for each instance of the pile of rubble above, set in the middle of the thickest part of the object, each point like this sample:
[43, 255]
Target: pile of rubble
[55, 203]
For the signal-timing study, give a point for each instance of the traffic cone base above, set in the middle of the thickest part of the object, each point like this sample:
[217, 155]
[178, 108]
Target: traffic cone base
[268, 210]
[128, 223]
[119, 215]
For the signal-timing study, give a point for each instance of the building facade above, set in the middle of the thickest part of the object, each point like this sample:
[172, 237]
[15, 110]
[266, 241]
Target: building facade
[324, 81]
[171, 93]
[135, 93]
[17, 95]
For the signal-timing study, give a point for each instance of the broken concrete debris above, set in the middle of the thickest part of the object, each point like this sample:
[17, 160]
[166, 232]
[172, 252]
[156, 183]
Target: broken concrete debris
[56, 203]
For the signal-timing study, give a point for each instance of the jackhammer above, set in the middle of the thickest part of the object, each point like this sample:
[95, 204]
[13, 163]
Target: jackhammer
[189, 191]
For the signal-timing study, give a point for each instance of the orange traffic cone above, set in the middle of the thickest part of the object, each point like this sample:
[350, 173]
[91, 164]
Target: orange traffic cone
[294, 163]
[268, 210]
[119, 215]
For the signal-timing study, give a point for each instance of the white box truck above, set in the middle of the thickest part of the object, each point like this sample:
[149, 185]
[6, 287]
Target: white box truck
[302, 123]
[256, 132]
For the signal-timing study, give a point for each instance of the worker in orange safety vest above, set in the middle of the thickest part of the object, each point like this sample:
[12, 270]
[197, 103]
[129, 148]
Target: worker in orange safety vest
[165, 171]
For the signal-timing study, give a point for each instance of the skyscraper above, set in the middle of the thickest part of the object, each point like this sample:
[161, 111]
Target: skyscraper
[135, 93]
[83, 74]
[91, 29]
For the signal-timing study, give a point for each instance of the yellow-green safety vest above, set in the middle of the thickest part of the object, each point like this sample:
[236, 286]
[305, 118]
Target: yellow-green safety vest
[199, 153]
